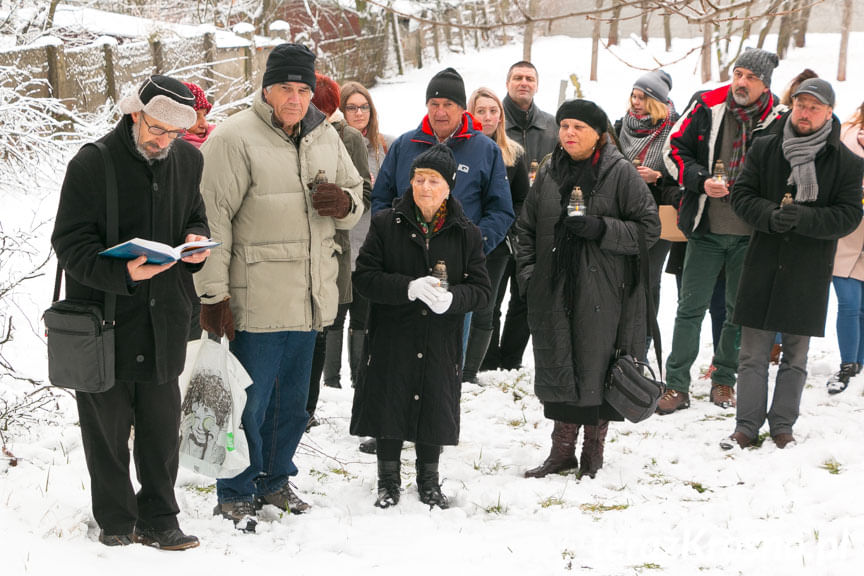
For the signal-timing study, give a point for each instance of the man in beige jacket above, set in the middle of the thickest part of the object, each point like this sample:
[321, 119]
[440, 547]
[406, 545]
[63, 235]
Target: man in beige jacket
[271, 285]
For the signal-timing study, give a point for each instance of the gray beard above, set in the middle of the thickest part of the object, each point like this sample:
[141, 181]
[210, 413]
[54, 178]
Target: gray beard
[161, 155]
[740, 99]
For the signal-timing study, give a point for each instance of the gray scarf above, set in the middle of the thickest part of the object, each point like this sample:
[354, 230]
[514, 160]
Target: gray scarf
[801, 151]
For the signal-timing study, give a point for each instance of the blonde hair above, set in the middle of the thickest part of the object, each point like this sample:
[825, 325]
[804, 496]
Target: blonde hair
[656, 109]
[372, 134]
[511, 150]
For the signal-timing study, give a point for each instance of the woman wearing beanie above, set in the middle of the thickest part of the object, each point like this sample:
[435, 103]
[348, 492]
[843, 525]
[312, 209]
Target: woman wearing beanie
[485, 106]
[641, 135]
[198, 132]
[579, 269]
[410, 383]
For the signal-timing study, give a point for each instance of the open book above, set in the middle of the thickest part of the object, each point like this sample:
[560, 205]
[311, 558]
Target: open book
[157, 252]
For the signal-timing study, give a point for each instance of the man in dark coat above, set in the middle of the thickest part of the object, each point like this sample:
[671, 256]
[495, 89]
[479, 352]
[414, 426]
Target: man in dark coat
[158, 199]
[800, 191]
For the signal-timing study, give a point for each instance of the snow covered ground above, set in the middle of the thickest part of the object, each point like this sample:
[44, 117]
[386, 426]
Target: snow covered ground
[668, 500]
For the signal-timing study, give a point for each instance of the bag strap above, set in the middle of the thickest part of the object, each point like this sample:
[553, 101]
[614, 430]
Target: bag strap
[111, 229]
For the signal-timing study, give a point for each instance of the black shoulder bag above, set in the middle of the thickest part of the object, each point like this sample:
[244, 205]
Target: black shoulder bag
[628, 389]
[80, 333]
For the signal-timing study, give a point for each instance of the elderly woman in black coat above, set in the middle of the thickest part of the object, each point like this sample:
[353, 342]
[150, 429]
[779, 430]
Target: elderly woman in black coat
[581, 275]
[410, 382]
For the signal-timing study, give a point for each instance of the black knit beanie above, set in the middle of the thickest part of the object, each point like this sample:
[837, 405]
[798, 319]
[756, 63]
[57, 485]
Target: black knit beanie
[290, 63]
[760, 62]
[440, 159]
[584, 110]
[447, 84]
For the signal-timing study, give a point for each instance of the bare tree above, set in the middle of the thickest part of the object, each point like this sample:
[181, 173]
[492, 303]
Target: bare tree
[844, 40]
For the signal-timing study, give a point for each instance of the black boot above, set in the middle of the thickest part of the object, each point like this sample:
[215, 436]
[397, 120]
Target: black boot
[478, 342]
[332, 357]
[592, 448]
[389, 483]
[563, 454]
[356, 338]
[428, 486]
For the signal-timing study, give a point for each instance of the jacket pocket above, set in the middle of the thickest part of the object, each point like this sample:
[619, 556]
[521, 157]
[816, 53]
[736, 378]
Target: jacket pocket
[277, 286]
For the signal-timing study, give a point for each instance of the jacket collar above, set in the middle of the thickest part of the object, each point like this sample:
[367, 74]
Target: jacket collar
[522, 118]
[310, 121]
[469, 127]
[833, 140]
[404, 207]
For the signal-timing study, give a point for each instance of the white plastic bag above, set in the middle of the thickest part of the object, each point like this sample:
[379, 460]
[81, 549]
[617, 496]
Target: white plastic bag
[213, 396]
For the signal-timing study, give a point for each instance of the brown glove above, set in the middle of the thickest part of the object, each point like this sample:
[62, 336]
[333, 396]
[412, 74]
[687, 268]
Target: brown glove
[330, 200]
[217, 319]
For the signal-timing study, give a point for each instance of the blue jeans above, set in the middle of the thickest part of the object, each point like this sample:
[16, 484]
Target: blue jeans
[275, 417]
[850, 319]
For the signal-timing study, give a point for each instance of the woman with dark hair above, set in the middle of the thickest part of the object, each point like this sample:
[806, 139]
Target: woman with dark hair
[577, 258]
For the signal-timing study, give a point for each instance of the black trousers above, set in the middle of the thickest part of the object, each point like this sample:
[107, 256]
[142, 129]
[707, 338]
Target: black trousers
[106, 420]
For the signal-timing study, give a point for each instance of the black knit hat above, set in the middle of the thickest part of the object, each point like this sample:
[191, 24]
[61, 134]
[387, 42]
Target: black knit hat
[584, 110]
[440, 159]
[290, 63]
[447, 84]
[760, 62]
[655, 84]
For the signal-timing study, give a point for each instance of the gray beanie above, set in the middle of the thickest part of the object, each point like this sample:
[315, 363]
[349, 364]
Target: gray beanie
[760, 62]
[655, 84]
[164, 98]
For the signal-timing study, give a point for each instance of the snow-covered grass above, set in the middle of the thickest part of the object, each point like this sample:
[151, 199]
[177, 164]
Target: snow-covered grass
[668, 500]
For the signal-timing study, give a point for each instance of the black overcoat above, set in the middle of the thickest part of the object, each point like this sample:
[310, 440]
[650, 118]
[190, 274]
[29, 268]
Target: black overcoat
[786, 277]
[410, 383]
[158, 201]
[572, 351]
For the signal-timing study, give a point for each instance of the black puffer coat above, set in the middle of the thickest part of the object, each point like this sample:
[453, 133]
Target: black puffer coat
[410, 383]
[572, 351]
[786, 277]
[158, 201]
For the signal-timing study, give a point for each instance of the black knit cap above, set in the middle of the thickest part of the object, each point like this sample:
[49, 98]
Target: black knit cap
[440, 159]
[447, 84]
[584, 110]
[290, 63]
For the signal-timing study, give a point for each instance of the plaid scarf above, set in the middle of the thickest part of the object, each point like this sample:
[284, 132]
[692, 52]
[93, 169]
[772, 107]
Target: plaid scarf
[747, 118]
[640, 139]
[437, 220]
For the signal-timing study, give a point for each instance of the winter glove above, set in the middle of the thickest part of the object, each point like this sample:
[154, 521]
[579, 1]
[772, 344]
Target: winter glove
[588, 227]
[784, 219]
[217, 319]
[331, 200]
[442, 303]
[424, 288]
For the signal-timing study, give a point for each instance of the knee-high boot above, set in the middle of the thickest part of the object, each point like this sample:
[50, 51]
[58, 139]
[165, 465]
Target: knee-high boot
[592, 448]
[389, 483]
[563, 453]
[332, 357]
[355, 353]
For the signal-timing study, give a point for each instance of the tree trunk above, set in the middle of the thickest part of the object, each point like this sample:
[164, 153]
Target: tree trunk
[766, 28]
[595, 43]
[706, 52]
[844, 40]
[528, 36]
[801, 27]
[643, 25]
[613, 24]
[784, 35]
[667, 30]
[52, 9]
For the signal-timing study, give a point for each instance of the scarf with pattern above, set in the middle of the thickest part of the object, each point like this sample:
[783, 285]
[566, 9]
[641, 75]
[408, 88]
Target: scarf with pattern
[430, 228]
[747, 118]
[643, 140]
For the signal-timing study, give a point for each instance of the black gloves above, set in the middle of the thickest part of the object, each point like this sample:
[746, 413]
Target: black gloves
[331, 200]
[588, 227]
[784, 218]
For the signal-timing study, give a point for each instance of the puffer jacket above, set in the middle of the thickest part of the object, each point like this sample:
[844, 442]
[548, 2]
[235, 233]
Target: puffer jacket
[278, 258]
[849, 258]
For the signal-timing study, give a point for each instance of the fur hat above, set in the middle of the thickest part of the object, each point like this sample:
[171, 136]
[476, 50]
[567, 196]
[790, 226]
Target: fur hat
[760, 62]
[201, 102]
[655, 84]
[440, 159]
[163, 98]
[447, 84]
[586, 111]
[290, 63]
[327, 94]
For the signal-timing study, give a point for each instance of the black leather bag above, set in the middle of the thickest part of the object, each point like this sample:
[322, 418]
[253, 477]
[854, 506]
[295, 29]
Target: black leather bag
[630, 391]
[80, 333]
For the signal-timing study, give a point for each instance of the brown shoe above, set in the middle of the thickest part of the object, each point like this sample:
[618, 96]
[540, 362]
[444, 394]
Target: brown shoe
[736, 439]
[722, 395]
[783, 440]
[563, 454]
[775, 353]
[673, 400]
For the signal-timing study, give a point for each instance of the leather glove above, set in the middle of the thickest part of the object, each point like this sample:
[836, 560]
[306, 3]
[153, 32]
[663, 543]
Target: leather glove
[784, 219]
[426, 287]
[442, 301]
[331, 200]
[217, 319]
[588, 227]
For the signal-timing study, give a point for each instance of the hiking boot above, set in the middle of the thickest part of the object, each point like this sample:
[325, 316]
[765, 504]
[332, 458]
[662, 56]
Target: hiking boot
[369, 446]
[840, 381]
[116, 539]
[171, 539]
[389, 483]
[241, 513]
[722, 395]
[672, 400]
[428, 486]
[784, 439]
[285, 499]
[593, 442]
[562, 456]
[313, 421]
[738, 439]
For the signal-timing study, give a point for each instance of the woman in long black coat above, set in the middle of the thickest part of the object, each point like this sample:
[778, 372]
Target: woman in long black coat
[410, 384]
[581, 276]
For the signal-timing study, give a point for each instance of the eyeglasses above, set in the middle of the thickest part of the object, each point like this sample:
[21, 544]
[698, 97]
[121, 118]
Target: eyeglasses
[159, 131]
[352, 108]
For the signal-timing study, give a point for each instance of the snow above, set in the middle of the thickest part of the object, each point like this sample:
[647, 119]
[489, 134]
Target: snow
[668, 500]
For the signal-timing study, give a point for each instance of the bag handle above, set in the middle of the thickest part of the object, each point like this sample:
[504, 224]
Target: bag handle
[111, 229]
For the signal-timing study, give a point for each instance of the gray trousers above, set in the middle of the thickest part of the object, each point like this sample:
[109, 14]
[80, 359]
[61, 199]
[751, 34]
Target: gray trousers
[753, 362]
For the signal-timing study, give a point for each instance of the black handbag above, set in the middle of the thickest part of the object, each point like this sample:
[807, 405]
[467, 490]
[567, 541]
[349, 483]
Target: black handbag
[629, 389]
[80, 333]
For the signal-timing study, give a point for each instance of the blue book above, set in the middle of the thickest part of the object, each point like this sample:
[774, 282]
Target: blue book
[157, 252]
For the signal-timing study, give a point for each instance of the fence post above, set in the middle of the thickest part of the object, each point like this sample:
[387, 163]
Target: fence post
[56, 69]
[436, 39]
[421, 41]
[110, 78]
[209, 45]
[397, 41]
[156, 51]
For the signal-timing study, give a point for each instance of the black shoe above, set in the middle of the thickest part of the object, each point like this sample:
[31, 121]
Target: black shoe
[172, 539]
[369, 446]
[241, 513]
[285, 499]
[428, 486]
[840, 381]
[389, 483]
[116, 539]
[312, 422]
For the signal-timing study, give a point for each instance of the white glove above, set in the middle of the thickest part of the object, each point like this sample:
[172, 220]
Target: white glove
[427, 285]
[442, 302]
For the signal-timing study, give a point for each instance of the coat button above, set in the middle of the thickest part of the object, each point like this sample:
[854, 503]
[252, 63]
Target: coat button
[413, 235]
[424, 312]
[593, 268]
[139, 358]
[152, 302]
[596, 308]
[416, 396]
[419, 355]
[780, 267]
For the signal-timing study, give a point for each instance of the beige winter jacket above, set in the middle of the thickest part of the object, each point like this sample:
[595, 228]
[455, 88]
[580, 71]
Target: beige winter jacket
[277, 260]
[849, 258]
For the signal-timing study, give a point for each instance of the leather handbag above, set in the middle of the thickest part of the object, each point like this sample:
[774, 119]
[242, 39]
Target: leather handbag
[80, 333]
